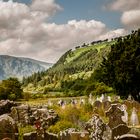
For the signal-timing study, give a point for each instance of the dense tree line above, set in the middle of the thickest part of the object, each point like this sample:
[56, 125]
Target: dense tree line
[121, 69]
[10, 89]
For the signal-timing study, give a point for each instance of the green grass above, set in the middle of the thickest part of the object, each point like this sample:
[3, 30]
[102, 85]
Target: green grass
[78, 52]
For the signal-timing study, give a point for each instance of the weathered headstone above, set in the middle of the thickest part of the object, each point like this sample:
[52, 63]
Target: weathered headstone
[134, 120]
[115, 116]
[125, 116]
[106, 105]
[97, 104]
[90, 100]
[96, 127]
[116, 124]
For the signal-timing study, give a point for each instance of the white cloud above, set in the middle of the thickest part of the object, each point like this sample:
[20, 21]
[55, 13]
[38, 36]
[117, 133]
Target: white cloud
[113, 34]
[44, 8]
[131, 18]
[24, 34]
[12, 13]
[130, 12]
[124, 5]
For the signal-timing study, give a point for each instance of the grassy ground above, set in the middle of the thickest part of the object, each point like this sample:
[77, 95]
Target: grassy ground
[79, 51]
[71, 116]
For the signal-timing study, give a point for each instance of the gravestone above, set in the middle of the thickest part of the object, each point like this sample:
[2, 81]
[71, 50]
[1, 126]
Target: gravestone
[116, 124]
[106, 105]
[82, 101]
[134, 120]
[50, 103]
[125, 116]
[96, 128]
[90, 100]
[115, 116]
[97, 104]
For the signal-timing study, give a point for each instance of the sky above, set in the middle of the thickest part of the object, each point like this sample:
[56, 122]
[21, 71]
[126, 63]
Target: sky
[46, 29]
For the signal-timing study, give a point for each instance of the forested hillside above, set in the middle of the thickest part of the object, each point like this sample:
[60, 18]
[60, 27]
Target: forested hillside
[79, 63]
[121, 69]
[103, 67]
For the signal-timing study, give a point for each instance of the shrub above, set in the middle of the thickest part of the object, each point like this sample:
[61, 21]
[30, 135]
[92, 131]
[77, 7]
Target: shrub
[60, 126]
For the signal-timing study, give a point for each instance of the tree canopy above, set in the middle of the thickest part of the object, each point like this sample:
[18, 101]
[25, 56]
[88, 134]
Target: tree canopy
[10, 89]
[121, 68]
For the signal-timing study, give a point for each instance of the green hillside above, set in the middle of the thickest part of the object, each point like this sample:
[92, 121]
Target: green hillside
[79, 63]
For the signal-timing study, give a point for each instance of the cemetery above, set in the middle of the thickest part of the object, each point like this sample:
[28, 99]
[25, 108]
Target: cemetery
[109, 119]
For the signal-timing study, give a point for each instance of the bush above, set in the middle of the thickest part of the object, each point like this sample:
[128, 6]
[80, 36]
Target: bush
[60, 126]
[26, 95]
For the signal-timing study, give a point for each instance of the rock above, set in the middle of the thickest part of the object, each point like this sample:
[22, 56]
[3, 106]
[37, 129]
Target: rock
[135, 131]
[26, 114]
[50, 136]
[30, 136]
[73, 134]
[119, 131]
[21, 114]
[34, 136]
[8, 127]
[5, 106]
[128, 137]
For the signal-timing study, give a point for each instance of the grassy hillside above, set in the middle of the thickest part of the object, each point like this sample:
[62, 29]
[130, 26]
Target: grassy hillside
[74, 64]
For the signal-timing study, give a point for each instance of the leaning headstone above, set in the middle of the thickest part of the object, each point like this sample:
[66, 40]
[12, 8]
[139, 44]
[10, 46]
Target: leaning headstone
[134, 120]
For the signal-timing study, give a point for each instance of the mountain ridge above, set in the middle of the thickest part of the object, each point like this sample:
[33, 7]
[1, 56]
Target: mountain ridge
[12, 66]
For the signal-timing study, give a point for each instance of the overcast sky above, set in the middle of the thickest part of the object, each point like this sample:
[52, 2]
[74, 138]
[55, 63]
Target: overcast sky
[45, 29]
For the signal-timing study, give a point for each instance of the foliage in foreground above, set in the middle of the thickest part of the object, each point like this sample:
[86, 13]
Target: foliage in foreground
[71, 117]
